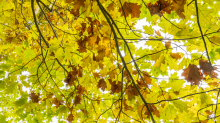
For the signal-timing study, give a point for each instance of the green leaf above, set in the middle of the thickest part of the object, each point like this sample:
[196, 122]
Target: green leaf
[182, 106]
[21, 101]
[170, 112]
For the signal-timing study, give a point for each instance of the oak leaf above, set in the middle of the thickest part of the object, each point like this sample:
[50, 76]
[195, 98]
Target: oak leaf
[192, 74]
[130, 8]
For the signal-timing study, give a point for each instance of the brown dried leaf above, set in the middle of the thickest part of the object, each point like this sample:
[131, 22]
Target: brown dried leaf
[77, 5]
[101, 54]
[167, 6]
[208, 112]
[160, 7]
[205, 65]
[207, 68]
[147, 77]
[126, 75]
[130, 8]
[152, 109]
[70, 118]
[84, 111]
[142, 109]
[96, 75]
[179, 7]
[111, 7]
[34, 97]
[80, 71]
[77, 100]
[102, 84]
[131, 92]
[115, 88]
[56, 102]
[135, 72]
[192, 74]
[71, 77]
[82, 44]
[126, 106]
[80, 89]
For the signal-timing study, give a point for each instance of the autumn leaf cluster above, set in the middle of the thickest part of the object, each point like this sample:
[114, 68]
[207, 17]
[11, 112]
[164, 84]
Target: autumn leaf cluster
[109, 61]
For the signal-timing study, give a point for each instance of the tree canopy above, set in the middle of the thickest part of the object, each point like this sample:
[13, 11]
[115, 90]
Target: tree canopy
[81, 61]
